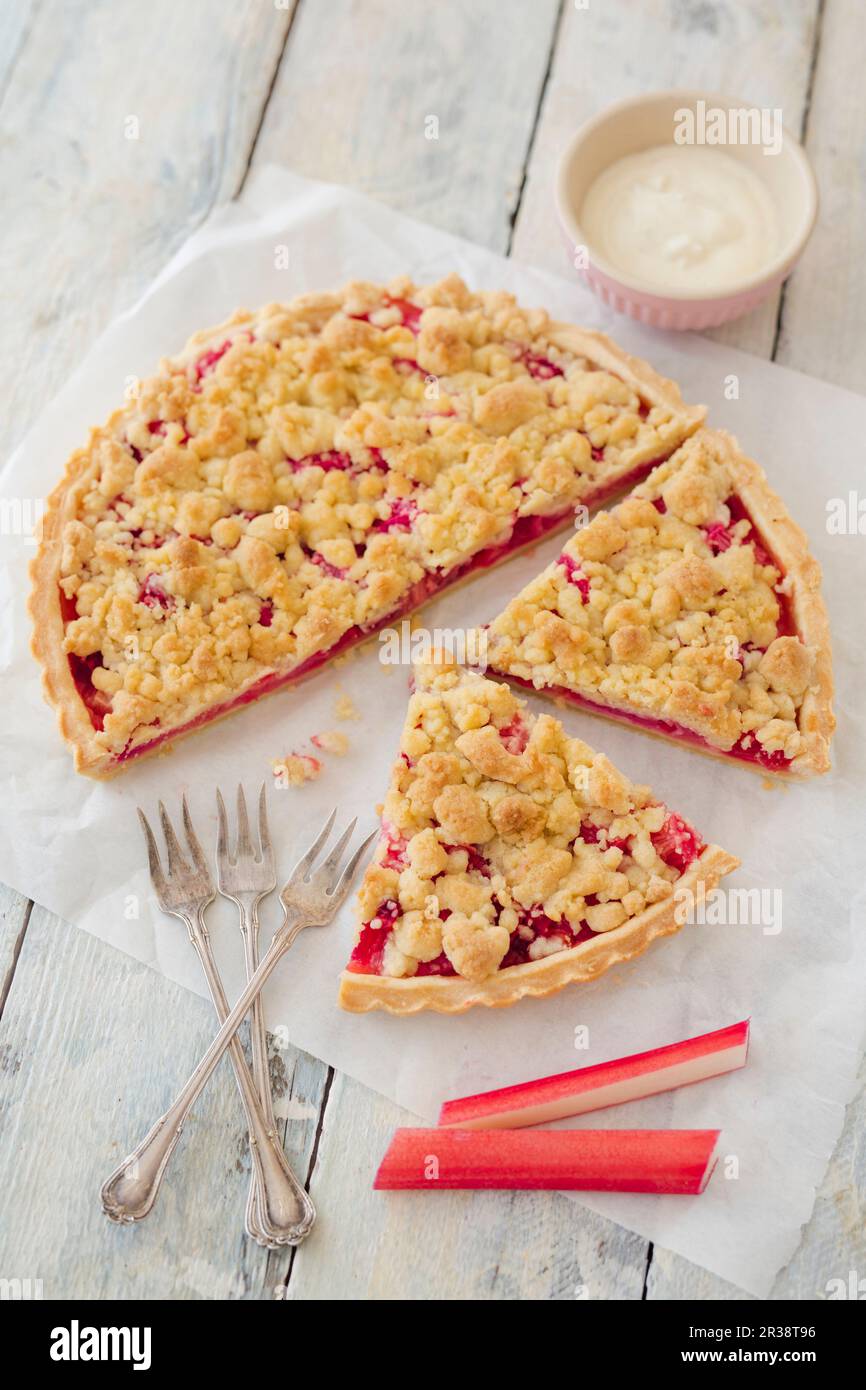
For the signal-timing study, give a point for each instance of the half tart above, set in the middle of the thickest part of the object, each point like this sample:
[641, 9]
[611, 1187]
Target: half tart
[299, 477]
[513, 859]
[692, 610]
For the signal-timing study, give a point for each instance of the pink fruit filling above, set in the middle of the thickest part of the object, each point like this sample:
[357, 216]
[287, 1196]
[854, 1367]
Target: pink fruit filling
[153, 595]
[205, 364]
[525, 531]
[677, 843]
[96, 701]
[746, 749]
[410, 314]
[590, 833]
[400, 518]
[325, 566]
[540, 367]
[330, 460]
[575, 575]
[395, 851]
[515, 735]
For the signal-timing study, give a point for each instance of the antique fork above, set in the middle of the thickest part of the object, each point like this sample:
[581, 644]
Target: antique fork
[311, 898]
[245, 878]
[185, 891]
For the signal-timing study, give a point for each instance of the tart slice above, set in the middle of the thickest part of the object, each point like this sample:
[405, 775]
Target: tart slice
[691, 610]
[513, 859]
[298, 477]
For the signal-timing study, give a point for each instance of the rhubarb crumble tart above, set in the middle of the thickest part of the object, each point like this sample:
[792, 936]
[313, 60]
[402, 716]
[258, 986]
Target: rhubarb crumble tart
[298, 477]
[513, 859]
[692, 610]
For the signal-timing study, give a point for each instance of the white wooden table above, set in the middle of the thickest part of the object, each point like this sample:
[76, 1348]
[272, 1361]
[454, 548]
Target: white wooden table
[91, 1043]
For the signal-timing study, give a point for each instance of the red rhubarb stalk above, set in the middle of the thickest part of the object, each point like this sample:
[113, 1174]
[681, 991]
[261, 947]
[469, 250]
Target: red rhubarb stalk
[608, 1083]
[586, 1160]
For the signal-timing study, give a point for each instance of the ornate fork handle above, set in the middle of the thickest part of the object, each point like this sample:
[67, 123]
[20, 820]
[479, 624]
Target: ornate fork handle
[130, 1192]
[289, 1196]
[249, 915]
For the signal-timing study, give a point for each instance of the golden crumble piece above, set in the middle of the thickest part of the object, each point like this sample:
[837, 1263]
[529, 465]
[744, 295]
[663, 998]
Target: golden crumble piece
[331, 741]
[671, 607]
[506, 848]
[296, 769]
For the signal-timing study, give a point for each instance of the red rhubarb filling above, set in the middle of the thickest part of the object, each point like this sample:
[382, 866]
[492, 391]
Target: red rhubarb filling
[575, 575]
[746, 749]
[525, 531]
[720, 538]
[676, 843]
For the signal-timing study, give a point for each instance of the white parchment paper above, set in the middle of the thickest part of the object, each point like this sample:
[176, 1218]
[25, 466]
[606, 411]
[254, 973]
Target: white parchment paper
[75, 846]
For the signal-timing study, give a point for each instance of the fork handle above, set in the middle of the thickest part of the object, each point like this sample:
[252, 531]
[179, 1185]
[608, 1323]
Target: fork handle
[249, 917]
[286, 1197]
[131, 1190]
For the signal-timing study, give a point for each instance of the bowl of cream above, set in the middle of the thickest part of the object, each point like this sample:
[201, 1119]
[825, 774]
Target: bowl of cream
[685, 209]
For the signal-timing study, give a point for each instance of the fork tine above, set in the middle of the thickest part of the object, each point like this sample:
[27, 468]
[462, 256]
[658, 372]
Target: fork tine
[176, 860]
[245, 844]
[306, 861]
[195, 848]
[266, 847]
[344, 882]
[336, 854]
[223, 833]
[157, 877]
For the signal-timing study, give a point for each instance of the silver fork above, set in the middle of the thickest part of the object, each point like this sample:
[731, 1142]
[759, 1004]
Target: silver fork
[129, 1194]
[246, 877]
[311, 898]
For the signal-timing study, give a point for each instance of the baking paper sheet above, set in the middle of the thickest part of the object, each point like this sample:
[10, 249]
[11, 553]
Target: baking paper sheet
[75, 846]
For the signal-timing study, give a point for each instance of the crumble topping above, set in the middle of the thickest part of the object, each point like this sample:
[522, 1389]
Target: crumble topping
[296, 475]
[504, 840]
[331, 741]
[669, 605]
[296, 769]
[344, 708]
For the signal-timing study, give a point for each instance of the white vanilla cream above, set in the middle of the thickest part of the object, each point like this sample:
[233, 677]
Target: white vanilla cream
[681, 217]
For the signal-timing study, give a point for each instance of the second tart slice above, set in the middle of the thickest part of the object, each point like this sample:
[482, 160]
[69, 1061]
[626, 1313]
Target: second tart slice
[692, 610]
[513, 859]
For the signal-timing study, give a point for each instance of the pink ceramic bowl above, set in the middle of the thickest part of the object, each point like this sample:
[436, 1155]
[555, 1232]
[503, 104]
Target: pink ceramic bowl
[637, 124]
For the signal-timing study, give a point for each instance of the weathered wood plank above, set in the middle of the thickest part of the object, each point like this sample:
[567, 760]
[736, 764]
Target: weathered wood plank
[16, 16]
[761, 51]
[454, 1245]
[93, 1046]
[823, 312]
[429, 108]
[100, 201]
[327, 119]
[14, 913]
[833, 1244]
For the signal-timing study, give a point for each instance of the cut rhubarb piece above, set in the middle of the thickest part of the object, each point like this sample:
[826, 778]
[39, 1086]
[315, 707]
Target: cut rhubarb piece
[370, 486]
[699, 617]
[677, 1161]
[603, 1085]
[524, 860]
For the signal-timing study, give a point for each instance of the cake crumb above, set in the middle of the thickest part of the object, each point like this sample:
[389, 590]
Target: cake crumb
[344, 709]
[296, 769]
[331, 741]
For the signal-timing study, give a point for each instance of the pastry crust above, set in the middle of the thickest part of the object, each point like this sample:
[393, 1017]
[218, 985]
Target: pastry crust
[539, 978]
[790, 546]
[513, 859]
[329, 334]
[598, 347]
[669, 640]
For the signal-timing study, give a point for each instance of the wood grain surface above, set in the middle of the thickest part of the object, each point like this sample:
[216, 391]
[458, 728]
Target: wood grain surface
[124, 125]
